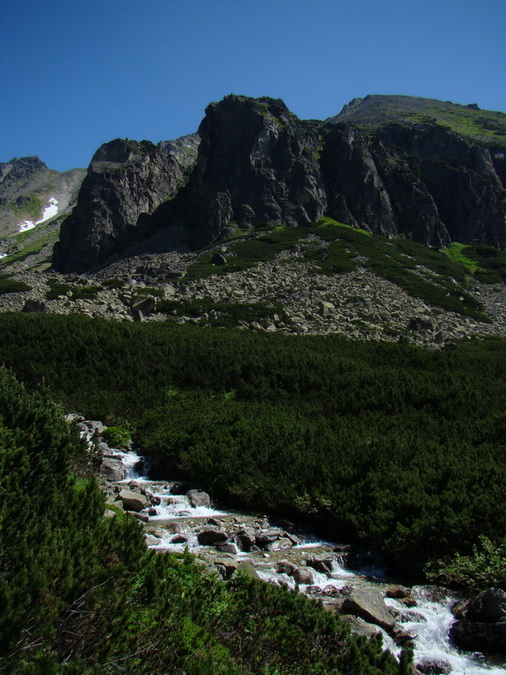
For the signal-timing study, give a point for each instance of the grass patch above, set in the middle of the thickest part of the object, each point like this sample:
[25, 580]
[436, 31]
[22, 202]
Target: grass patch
[438, 278]
[456, 253]
[12, 286]
[30, 209]
[113, 283]
[58, 289]
[227, 314]
[156, 292]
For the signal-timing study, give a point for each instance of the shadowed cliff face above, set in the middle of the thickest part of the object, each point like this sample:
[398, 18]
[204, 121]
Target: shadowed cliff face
[258, 163]
[125, 183]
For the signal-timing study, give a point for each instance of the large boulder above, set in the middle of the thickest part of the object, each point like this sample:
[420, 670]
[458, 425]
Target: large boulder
[132, 501]
[112, 469]
[198, 498]
[481, 623]
[257, 163]
[368, 604]
[210, 536]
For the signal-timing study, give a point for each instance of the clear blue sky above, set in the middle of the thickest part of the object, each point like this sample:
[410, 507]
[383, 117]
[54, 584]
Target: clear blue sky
[77, 74]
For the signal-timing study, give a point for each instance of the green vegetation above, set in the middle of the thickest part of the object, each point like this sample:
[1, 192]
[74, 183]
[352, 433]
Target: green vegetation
[388, 445]
[77, 292]
[456, 252]
[483, 125]
[113, 283]
[226, 314]
[81, 594]
[30, 208]
[117, 436]
[12, 286]
[486, 567]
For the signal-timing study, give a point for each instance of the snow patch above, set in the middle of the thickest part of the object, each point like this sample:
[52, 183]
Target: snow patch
[49, 212]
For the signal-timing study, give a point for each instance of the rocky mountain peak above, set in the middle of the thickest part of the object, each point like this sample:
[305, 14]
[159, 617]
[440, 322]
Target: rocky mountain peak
[257, 163]
[19, 167]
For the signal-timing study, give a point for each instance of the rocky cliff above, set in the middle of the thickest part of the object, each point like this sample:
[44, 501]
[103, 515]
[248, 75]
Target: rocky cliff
[125, 183]
[433, 179]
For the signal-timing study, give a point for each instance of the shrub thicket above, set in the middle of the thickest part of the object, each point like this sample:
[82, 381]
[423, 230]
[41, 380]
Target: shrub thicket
[389, 445]
[82, 594]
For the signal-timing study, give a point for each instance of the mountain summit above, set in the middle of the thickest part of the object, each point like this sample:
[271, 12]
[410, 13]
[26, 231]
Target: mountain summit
[430, 171]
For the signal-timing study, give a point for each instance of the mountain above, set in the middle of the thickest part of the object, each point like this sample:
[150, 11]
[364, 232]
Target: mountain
[28, 188]
[33, 202]
[429, 171]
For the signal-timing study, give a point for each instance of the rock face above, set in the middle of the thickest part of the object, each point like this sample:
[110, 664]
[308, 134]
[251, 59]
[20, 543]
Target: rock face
[126, 182]
[258, 163]
[481, 623]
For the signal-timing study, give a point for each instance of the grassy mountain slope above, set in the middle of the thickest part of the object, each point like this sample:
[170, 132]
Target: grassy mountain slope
[486, 126]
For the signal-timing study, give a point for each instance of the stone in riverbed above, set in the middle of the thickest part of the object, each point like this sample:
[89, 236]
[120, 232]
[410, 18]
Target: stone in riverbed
[285, 567]
[179, 539]
[321, 563]
[303, 575]
[112, 469]
[434, 667]
[246, 567]
[179, 489]
[198, 498]
[481, 623]
[132, 501]
[211, 536]
[246, 538]
[226, 566]
[368, 604]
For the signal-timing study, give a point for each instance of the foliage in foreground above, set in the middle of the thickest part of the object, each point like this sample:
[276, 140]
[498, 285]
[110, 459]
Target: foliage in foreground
[82, 594]
[389, 445]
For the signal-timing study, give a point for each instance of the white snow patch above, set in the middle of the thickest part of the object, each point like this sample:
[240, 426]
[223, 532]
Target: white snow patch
[49, 212]
[3, 255]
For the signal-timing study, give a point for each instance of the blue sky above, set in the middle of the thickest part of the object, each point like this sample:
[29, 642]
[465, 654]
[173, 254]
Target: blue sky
[77, 74]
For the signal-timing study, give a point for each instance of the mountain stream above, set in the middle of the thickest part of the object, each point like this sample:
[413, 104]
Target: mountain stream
[174, 524]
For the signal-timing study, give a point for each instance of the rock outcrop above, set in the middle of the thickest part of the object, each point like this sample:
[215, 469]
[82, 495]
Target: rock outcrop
[126, 182]
[257, 163]
[481, 622]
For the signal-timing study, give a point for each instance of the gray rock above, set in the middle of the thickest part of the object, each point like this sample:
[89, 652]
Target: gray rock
[218, 259]
[285, 567]
[481, 623]
[112, 469]
[179, 539]
[247, 568]
[132, 501]
[303, 575]
[434, 667]
[368, 604]
[321, 563]
[327, 309]
[33, 306]
[198, 498]
[359, 626]
[179, 488]
[211, 536]
[226, 566]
